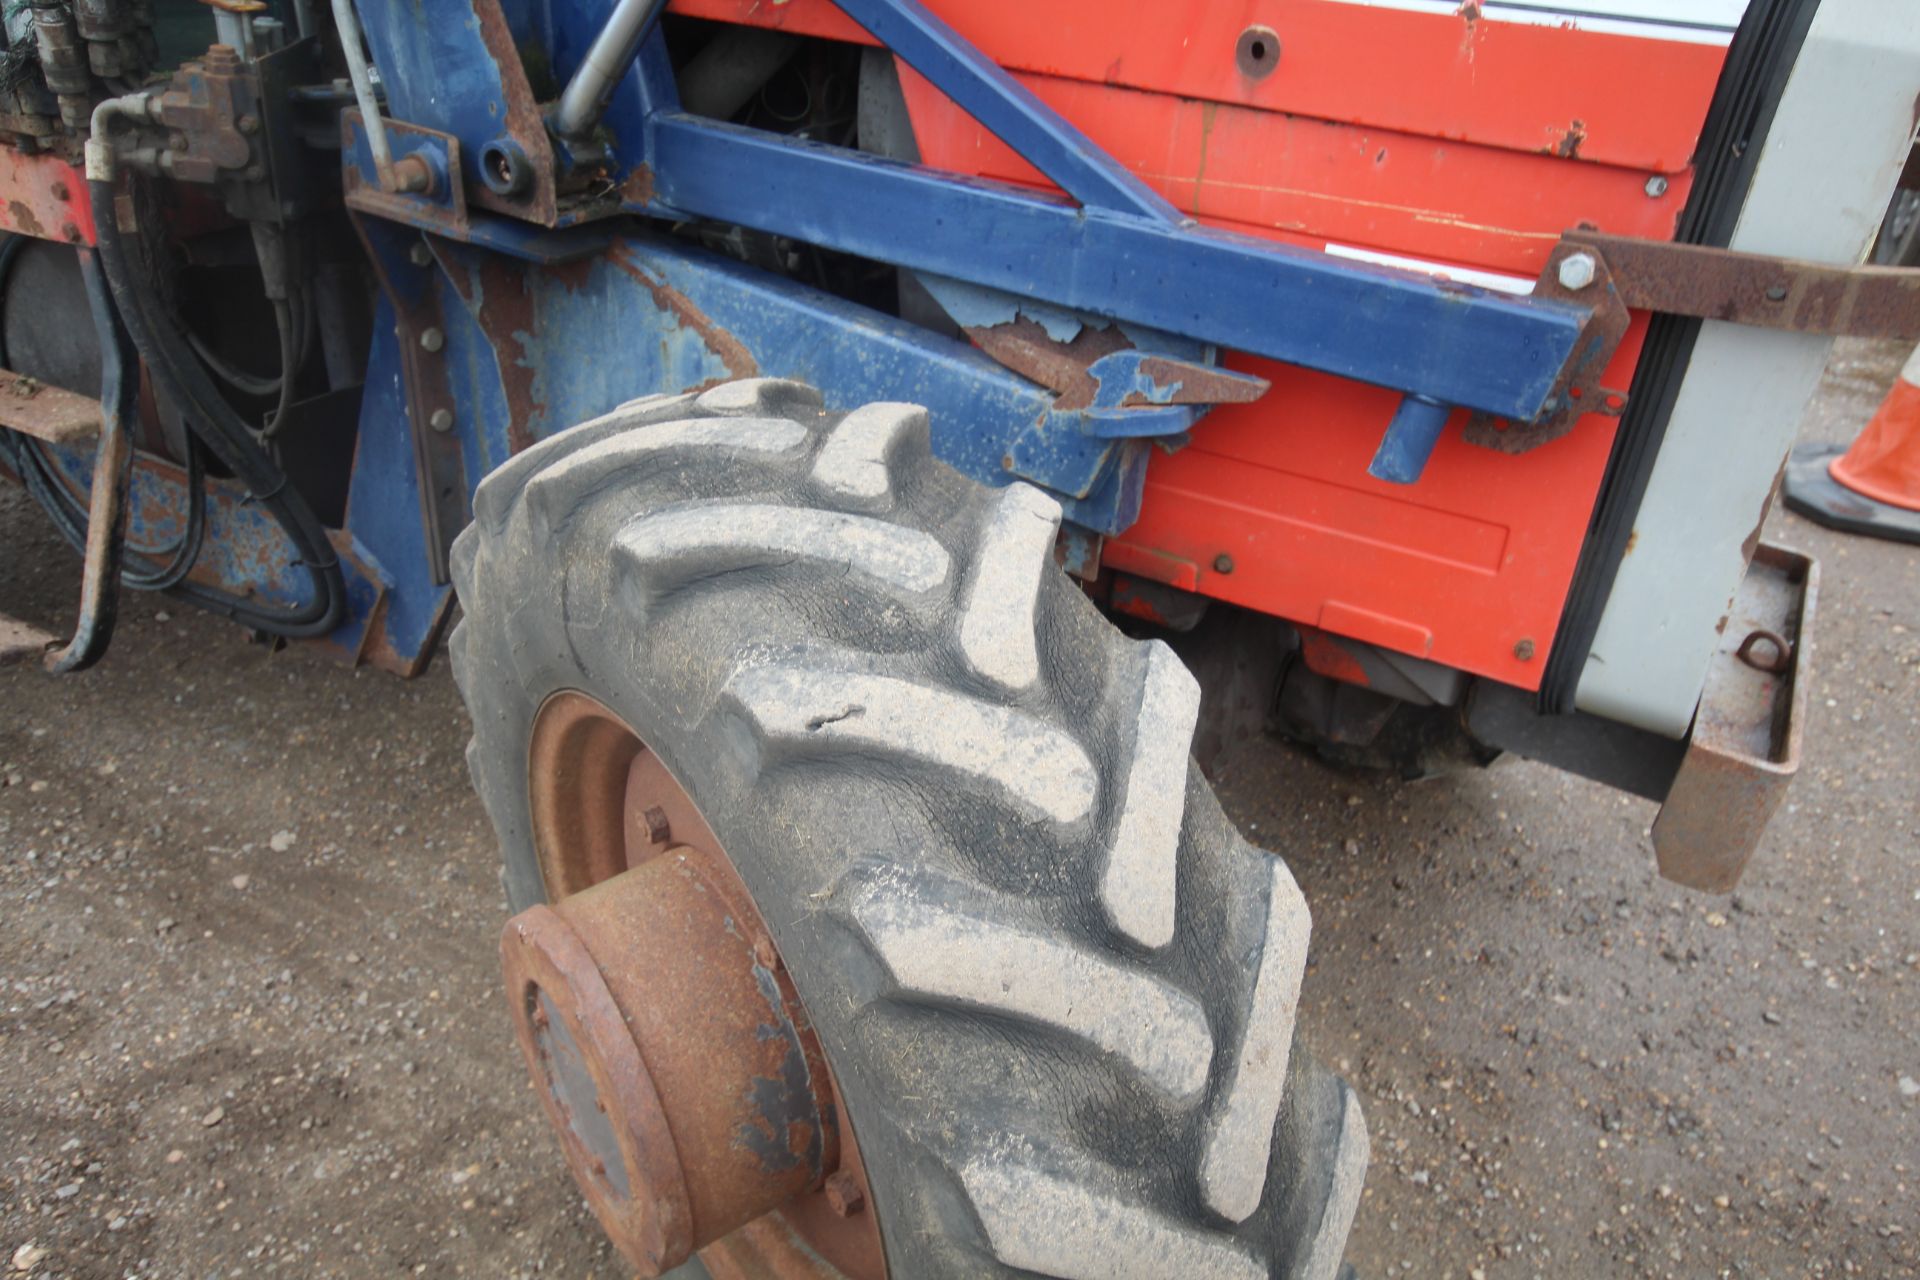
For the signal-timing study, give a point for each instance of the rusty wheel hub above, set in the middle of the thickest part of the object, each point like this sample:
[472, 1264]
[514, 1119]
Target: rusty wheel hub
[662, 1031]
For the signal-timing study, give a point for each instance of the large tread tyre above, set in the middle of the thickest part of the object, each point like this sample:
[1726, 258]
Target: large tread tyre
[1057, 987]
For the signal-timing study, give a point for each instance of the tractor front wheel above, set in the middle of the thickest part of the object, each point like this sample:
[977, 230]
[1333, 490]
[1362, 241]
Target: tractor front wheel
[874, 919]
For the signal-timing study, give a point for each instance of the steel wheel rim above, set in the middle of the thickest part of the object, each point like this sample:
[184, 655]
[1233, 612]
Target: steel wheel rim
[601, 803]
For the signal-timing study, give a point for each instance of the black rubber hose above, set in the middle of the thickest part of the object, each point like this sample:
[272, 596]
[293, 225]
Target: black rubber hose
[69, 516]
[173, 366]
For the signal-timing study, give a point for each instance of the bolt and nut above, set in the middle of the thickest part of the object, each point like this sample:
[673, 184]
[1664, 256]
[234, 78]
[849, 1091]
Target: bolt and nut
[1656, 186]
[441, 419]
[432, 339]
[1223, 563]
[420, 255]
[1577, 271]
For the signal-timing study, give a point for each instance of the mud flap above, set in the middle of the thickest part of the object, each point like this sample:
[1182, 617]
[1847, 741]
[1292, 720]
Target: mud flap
[1745, 745]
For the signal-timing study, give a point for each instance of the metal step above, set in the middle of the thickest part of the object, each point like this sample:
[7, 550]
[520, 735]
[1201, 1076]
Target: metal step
[49, 413]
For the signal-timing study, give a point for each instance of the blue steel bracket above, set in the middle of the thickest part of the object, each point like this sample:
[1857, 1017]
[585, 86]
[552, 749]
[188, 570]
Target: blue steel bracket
[460, 67]
[1145, 393]
[1119, 253]
[1007, 109]
[443, 206]
[410, 287]
[1111, 382]
[444, 210]
[1410, 440]
[1450, 342]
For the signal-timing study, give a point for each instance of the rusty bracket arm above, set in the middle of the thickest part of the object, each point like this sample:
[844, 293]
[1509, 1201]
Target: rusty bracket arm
[407, 270]
[1755, 289]
[112, 478]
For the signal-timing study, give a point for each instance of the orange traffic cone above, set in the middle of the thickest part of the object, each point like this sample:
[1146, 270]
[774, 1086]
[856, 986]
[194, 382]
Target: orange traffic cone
[1873, 487]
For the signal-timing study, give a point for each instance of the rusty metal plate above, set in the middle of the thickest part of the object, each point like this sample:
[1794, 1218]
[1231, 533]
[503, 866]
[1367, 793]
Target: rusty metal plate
[49, 413]
[1745, 746]
[1753, 289]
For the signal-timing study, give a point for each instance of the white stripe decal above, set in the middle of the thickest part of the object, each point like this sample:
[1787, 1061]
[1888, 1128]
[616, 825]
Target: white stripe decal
[1679, 21]
[1494, 280]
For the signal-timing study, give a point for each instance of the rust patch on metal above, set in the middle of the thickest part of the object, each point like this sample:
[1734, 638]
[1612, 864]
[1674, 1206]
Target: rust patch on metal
[730, 350]
[1568, 147]
[1195, 384]
[1754, 289]
[1022, 345]
[1746, 740]
[444, 507]
[540, 202]
[23, 219]
[505, 314]
[665, 1037]
[462, 281]
[638, 188]
[572, 275]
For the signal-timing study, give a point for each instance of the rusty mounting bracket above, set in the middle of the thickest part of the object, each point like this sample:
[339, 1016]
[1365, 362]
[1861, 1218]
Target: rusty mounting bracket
[1621, 272]
[438, 203]
[1591, 284]
[1754, 289]
[407, 271]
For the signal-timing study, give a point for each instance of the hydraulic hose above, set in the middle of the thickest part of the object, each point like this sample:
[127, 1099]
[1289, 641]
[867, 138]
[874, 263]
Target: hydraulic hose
[173, 366]
[69, 517]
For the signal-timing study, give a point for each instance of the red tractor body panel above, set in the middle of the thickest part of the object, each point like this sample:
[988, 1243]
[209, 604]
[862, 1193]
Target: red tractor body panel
[1452, 141]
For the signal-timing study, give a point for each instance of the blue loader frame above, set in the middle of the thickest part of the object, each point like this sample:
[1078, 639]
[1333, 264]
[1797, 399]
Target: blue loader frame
[522, 306]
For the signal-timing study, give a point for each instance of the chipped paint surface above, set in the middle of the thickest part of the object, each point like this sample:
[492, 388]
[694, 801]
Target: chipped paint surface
[732, 352]
[784, 1132]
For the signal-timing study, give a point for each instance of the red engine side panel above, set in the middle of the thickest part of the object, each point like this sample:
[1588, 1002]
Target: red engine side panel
[1452, 140]
[45, 197]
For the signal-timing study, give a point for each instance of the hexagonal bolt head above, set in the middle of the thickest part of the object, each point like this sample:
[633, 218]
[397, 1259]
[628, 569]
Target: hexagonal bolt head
[441, 419]
[658, 829]
[1577, 271]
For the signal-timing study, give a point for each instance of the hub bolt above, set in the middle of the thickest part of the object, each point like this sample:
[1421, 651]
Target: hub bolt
[1577, 271]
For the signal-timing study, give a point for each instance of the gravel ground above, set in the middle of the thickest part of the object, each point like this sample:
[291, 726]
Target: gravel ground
[249, 1026]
